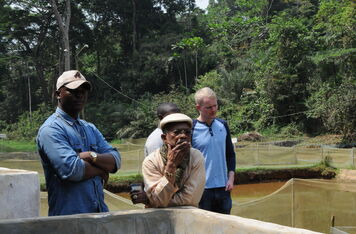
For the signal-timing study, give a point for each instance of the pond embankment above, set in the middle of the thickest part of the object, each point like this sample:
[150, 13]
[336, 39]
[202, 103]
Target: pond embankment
[249, 176]
[119, 183]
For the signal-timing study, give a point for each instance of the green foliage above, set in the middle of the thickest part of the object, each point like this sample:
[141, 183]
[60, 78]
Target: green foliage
[27, 126]
[108, 116]
[210, 79]
[238, 118]
[271, 131]
[143, 119]
[116, 141]
[291, 131]
[332, 86]
[276, 66]
[326, 161]
[336, 106]
[115, 178]
[17, 146]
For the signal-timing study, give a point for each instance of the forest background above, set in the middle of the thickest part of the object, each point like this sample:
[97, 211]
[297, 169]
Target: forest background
[278, 66]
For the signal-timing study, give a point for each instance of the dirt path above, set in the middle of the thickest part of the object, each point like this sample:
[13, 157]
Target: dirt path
[347, 175]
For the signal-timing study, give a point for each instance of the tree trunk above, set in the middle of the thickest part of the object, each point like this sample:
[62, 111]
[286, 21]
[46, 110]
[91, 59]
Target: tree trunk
[133, 26]
[64, 28]
[196, 66]
[185, 74]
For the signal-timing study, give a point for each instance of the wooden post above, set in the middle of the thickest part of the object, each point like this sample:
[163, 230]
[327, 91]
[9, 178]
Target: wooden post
[138, 161]
[293, 207]
[295, 155]
[258, 152]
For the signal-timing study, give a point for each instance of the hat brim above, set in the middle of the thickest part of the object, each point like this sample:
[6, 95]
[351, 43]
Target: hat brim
[176, 118]
[75, 84]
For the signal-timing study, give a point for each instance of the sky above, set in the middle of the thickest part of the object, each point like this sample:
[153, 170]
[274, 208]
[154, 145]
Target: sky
[202, 3]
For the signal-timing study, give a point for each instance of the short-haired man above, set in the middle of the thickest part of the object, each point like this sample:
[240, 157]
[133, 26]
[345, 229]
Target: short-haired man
[154, 140]
[212, 137]
[174, 174]
[75, 156]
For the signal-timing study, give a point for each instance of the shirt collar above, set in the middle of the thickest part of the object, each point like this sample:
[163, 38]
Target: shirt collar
[67, 118]
[206, 122]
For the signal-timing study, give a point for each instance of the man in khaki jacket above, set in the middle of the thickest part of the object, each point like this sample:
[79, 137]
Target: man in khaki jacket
[174, 175]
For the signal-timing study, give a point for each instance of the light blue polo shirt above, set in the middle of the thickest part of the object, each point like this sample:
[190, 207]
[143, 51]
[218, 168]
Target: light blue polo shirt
[211, 141]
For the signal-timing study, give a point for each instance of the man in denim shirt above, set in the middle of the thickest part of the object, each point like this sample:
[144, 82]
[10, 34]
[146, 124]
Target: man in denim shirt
[75, 156]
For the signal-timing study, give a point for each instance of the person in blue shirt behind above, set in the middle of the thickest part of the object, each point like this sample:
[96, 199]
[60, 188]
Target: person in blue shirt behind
[75, 156]
[211, 136]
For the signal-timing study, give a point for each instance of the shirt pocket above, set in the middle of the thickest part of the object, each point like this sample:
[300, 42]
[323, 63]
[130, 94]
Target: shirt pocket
[75, 143]
[220, 135]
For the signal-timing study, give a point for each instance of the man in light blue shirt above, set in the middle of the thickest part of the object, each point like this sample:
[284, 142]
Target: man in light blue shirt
[75, 156]
[212, 137]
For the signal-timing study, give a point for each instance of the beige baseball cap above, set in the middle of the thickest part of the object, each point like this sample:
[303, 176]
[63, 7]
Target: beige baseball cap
[176, 118]
[71, 79]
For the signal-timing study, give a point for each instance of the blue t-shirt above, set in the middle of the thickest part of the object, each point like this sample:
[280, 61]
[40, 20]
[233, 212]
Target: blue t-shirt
[214, 142]
[60, 140]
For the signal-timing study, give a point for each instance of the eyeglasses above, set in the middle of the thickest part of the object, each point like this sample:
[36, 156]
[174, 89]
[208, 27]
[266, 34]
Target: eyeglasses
[181, 131]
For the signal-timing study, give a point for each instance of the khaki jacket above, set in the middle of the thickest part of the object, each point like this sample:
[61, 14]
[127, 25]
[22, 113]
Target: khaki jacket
[162, 193]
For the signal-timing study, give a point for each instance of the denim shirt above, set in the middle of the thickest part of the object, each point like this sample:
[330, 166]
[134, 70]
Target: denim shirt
[60, 140]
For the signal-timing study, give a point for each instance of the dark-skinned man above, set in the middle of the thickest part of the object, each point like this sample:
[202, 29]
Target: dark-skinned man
[153, 142]
[75, 156]
[174, 175]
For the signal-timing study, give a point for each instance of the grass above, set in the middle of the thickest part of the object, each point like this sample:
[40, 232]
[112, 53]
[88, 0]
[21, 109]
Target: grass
[126, 179]
[17, 146]
[278, 167]
[117, 141]
[134, 178]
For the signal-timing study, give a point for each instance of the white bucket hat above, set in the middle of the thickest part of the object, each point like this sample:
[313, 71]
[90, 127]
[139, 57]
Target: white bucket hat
[176, 118]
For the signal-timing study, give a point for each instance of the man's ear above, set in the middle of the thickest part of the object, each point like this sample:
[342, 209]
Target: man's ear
[57, 94]
[197, 106]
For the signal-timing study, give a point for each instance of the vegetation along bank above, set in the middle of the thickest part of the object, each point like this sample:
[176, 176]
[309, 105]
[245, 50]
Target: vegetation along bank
[243, 176]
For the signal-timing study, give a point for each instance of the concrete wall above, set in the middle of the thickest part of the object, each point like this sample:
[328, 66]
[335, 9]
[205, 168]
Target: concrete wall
[19, 194]
[178, 220]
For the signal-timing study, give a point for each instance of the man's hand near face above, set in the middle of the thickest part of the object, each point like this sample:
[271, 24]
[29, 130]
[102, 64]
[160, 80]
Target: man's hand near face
[176, 154]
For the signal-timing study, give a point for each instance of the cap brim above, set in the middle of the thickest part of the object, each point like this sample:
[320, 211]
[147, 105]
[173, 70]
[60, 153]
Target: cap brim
[176, 118]
[77, 83]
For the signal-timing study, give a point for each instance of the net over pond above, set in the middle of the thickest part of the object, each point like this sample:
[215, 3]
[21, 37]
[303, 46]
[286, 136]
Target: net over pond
[306, 204]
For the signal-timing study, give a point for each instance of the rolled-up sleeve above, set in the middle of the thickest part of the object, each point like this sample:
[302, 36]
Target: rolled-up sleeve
[117, 158]
[105, 147]
[63, 159]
